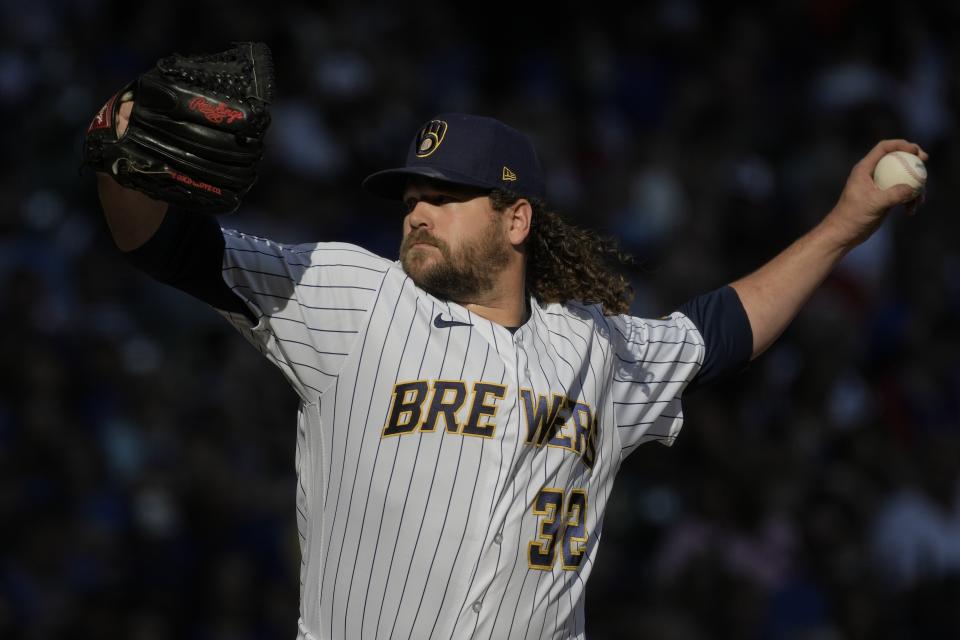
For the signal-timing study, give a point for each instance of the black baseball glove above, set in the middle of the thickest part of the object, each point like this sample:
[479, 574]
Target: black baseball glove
[196, 131]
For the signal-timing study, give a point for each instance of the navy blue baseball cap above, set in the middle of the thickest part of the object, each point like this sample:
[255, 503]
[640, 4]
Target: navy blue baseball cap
[465, 149]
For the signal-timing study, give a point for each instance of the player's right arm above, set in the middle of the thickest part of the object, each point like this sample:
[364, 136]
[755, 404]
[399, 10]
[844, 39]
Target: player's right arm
[173, 246]
[132, 216]
[302, 306]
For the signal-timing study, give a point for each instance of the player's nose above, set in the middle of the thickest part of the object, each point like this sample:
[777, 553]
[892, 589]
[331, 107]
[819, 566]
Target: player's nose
[422, 215]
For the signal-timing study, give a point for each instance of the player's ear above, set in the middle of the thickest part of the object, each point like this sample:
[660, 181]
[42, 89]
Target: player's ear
[518, 217]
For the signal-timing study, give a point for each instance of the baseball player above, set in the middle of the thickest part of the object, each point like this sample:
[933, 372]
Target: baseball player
[464, 410]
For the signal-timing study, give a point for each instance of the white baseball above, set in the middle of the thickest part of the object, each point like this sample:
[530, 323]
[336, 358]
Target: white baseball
[900, 167]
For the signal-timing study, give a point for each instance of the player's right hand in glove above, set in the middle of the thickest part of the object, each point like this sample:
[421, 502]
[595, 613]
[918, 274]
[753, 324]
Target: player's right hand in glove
[194, 128]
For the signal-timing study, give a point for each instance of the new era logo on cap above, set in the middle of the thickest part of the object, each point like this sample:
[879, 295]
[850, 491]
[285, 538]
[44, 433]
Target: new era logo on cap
[466, 149]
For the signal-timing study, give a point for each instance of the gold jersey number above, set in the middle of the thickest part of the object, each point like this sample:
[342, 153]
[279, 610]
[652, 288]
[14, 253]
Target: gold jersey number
[566, 526]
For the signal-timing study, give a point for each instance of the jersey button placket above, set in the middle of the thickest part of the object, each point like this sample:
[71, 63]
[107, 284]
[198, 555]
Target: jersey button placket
[518, 343]
[476, 606]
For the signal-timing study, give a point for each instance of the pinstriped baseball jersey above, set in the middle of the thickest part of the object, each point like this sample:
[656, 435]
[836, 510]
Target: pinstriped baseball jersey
[452, 474]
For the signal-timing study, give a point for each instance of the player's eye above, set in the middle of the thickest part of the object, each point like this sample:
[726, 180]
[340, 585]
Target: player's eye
[437, 199]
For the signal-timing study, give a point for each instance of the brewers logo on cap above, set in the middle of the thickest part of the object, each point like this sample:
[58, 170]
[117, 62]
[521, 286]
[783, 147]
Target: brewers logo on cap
[430, 137]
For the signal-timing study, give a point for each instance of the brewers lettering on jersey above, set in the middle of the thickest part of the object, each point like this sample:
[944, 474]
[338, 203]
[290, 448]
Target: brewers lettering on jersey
[464, 410]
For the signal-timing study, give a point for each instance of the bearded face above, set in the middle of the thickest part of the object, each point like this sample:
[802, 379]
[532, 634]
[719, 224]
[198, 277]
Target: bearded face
[461, 271]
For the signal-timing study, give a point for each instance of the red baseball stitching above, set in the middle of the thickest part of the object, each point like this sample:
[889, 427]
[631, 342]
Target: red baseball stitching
[908, 168]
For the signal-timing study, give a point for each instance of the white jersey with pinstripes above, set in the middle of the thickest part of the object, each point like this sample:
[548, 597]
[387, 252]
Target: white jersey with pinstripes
[452, 476]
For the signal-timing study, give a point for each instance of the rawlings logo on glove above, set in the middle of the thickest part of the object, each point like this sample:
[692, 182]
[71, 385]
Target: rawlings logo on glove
[200, 150]
[104, 117]
[215, 112]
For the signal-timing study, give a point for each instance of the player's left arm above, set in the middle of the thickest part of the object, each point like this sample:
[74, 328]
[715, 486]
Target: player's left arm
[774, 294]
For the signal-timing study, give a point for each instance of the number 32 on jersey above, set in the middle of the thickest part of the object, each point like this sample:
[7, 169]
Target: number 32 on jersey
[561, 526]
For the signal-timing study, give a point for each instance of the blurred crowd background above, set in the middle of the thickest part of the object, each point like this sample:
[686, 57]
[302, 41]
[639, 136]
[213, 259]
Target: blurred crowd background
[146, 451]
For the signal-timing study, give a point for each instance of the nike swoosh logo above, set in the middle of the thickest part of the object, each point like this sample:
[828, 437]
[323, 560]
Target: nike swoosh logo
[440, 323]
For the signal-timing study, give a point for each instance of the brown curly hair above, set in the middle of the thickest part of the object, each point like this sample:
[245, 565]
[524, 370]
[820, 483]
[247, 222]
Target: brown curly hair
[566, 262]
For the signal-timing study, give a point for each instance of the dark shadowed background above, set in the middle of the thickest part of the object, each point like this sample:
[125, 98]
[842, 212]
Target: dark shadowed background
[146, 451]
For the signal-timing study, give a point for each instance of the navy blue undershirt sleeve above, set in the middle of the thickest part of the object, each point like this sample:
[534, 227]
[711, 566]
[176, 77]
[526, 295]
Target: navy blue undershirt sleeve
[723, 323]
[186, 252]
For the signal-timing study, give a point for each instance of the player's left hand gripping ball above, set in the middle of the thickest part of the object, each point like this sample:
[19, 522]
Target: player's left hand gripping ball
[196, 131]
